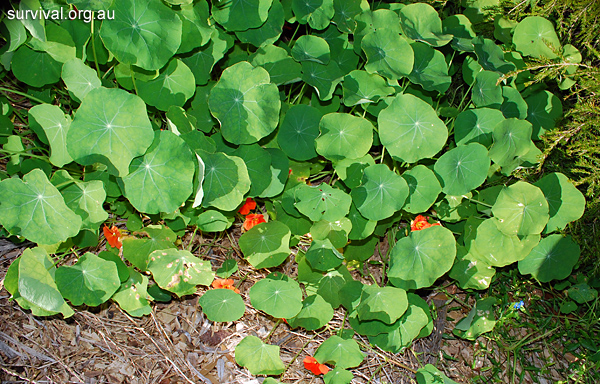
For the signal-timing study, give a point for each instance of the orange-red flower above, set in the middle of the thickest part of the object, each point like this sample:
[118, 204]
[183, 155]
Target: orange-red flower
[313, 365]
[113, 236]
[252, 220]
[247, 207]
[421, 222]
[225, 284]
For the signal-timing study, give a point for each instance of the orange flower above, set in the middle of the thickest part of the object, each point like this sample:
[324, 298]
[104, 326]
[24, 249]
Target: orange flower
[247, 207]
[113, 236]
[313, 365]
[252, 220]
[421, 222]
[225, 284]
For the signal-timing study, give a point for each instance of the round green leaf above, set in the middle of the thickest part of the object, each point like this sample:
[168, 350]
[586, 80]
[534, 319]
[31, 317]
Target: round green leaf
[79, 78]
[339, 352]
[512, 138]
[406, 329]
[137, 251]
[369, 21]
[345, 12]
[278, 298]
[267, 33]
[387, 54]
[35, 68]
[322, 255]
[258, 163]
[410, 129]
[239, 15]
[472, 274]
[34, 208]
[430, 69]
[423, 189]
[361, 226]
[111, 126]
[381, 194]
[419, 259]
[195, 26]
[142, 33]
[323, 78]
[582, 293]
[535, 36]
[226, 181]
[543, 111]
[421, 22]
[222, 305]
[322, 202]
[281, 67]
[161, 180]
[361, 87]
[385, 304]
[480, 320]
[228, 268]
[245, 103]
[462, 30]
[311, 48]
[179, 271]
[485, 91]
[513, 105]
[298, 131]
[317, 13]
[497, 249]
[463, 168]
[212, 220]
[203, 60]
[133, 293]
[351, 170]
[336, 232]
[344, 136]
[429, 374]
[315, 313]
[90, 281]
[521, 209]
[258, 357]
[565, 202]
[55, 125]
[266, 245]
[173, 86]
[491, 57]
[338, 375]
[280, 168]
[552, 259]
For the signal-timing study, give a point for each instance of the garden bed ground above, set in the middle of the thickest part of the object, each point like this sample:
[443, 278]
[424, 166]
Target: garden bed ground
[177, 344]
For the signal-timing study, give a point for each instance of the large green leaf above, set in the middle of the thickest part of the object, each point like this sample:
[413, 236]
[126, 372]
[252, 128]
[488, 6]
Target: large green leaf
[35, 68]
[411, 130]
[317, 13]
[521, 209]
[239, 15]
[315, 313]
[258, 163]
[142, 33]
[173, 86]
[421, 22]
[278, 298]
[512, 138]
[195, 26]
[381, 194]
[419, 259]
[280, 65]
[463, 168]
[85, 198]
[387, 54]
[470, 272]
[403, 332]
[35, 209]
[161, 180]
[30, 279]
[552, 259]
[132, 296]
[79, 78]
[137, 250]
[344, 136]
[423, 189]
[535, 36]
[513, 105]
[429, 374]
[476, 125]
[246, 103]
[222, 305]
[342, 353]
[323, 78]
[322, 255]
[345, 12]
[311, 48]
[90, 281]
[258, 357]
[480, 320]
[202, 61]
[226, 181]
[565, 202]
[55, 125]
[266, 245]
[385, 304]
[267, 33]
[361, 87]
[430, 69]
[179, 271]
[322, 202]
[491, 57]
[111, 126]
[543, 111]
[298, 131]
[486, 92]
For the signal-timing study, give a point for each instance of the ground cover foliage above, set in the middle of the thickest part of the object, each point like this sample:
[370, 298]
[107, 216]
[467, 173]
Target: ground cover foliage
[339, 124]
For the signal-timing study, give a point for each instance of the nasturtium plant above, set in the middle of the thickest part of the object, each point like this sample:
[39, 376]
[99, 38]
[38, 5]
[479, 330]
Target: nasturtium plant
[347, 129]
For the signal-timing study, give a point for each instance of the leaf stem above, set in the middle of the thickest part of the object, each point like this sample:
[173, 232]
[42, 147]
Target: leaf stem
[297, 354]
[32, 98]
[479, 202]
[94, 48]
[23, 153]
[191, 243]
[133, 79]
[272, 330]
